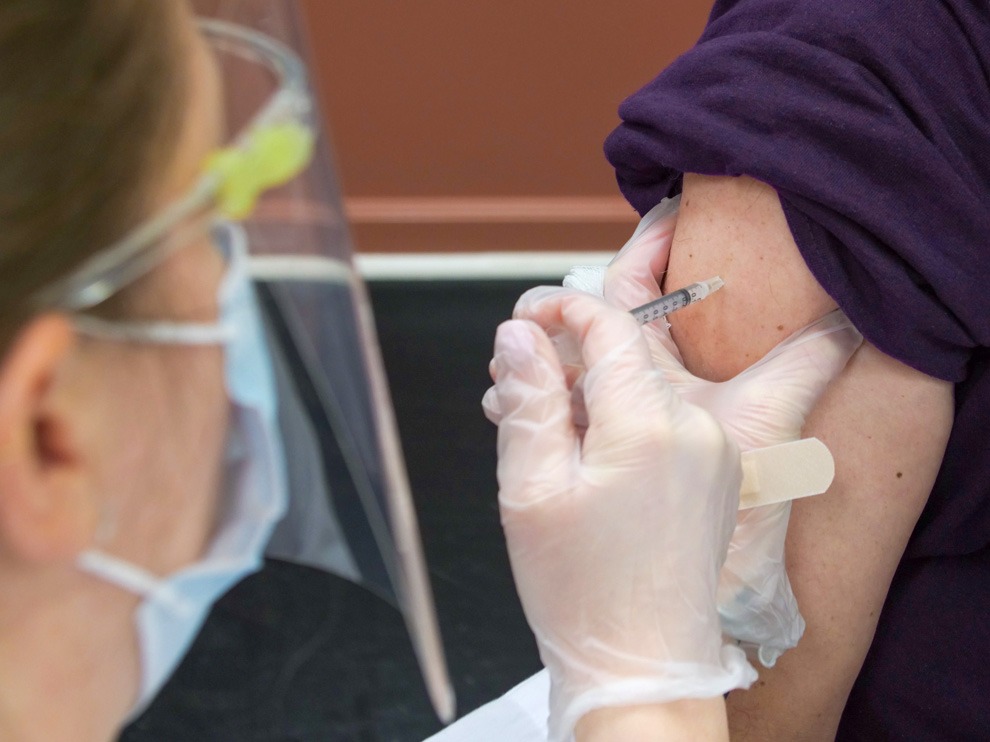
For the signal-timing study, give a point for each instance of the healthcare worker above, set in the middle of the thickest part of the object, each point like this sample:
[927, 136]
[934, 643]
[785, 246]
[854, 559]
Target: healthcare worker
[189, 378]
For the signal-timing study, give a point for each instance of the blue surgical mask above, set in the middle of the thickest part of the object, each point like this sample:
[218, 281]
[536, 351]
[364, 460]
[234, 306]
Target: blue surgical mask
[173, 607]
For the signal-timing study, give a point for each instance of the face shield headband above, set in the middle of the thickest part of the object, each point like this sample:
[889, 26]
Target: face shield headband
[275, 147]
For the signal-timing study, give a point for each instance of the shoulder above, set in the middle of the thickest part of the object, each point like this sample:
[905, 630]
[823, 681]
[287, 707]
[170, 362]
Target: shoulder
[735, 228]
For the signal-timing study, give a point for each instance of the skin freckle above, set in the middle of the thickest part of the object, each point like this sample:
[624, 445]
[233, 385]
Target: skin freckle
[780, 327]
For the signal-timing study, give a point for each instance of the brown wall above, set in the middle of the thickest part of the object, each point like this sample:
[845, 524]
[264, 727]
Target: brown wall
[478, 124]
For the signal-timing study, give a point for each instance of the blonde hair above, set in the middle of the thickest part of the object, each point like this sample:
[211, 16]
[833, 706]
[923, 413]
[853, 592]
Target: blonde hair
[91, 104]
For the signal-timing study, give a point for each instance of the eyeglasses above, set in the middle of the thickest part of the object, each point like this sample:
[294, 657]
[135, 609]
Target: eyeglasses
[275, 145]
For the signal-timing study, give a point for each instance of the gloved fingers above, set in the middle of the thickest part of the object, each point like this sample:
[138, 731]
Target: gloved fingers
[763, 617]
[567, 352]
[535, 431]
[489, 404]
[533, 305]
[757, 541]
[633, 276]
[828, 343]
[773, 397]
[493, 412]
[572, 379]
[628, 404]
[666, 354]
[755, 602]
[596, 332]
[778, 390]
[600, 333]
[540, 305]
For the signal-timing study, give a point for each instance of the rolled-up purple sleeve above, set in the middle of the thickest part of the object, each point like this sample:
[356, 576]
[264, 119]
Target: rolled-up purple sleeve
[872, 122]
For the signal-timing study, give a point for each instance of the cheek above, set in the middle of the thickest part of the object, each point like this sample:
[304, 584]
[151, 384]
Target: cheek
[169, 431]
[198, 409]
[191, 465]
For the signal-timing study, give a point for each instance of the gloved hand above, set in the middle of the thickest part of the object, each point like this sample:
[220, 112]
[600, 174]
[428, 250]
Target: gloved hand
[616, 533]
[764, 405]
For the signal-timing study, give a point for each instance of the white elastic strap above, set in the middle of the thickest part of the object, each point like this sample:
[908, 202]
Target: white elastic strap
[785, 472]
[134, 579]
[123, 574]
[170, 333]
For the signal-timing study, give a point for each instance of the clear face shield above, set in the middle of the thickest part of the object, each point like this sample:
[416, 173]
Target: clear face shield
[349, 508]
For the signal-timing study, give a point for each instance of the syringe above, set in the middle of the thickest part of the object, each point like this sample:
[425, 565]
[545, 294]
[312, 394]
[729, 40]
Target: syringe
[679, 299]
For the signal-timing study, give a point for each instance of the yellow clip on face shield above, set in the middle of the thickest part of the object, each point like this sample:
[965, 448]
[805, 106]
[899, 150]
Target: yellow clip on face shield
[272, 155]
[274, 147]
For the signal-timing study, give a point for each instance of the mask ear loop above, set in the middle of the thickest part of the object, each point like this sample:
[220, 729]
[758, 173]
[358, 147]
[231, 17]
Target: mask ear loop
[131, 578]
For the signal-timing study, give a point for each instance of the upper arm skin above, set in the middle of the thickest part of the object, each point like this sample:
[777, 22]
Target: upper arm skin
[843, 546]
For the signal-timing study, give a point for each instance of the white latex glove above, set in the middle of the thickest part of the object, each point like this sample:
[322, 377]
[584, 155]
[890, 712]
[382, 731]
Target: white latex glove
[764, 405]
[616, 533]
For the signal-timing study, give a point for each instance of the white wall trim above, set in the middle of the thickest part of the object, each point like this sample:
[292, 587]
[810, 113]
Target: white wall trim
[473, 266]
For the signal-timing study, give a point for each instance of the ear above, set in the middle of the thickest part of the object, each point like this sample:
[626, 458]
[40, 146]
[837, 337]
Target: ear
[45, 513]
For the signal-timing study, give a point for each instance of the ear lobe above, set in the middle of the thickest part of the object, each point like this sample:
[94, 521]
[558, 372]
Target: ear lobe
[45, 514]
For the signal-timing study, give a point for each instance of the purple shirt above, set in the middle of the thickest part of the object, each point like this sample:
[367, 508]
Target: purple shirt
[871, 119]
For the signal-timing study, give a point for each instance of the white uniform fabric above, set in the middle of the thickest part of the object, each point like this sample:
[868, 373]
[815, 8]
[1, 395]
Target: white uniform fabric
[518, 716]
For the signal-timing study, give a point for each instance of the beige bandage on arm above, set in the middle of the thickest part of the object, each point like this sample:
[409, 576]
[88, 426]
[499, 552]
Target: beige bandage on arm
[785, 472]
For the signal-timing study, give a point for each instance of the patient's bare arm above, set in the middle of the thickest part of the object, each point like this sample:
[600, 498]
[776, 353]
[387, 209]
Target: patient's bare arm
[843, 546]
